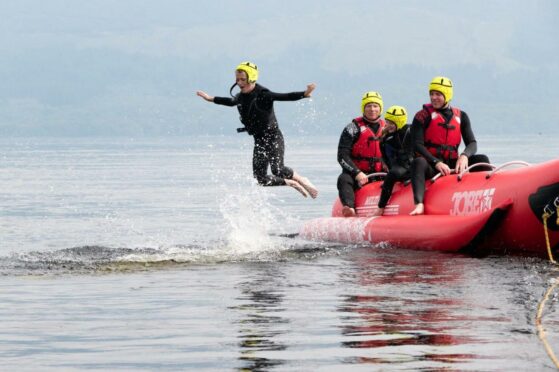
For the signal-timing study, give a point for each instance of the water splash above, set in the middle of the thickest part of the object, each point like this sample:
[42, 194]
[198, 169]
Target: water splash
[251, 218]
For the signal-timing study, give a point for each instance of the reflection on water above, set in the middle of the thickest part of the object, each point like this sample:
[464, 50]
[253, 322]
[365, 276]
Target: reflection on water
[261, 321]
[412, 305]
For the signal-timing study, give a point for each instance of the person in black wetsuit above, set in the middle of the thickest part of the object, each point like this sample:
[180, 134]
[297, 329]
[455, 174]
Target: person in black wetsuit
[256, 108]
[437, 131]
[396, 148]
[359, 151]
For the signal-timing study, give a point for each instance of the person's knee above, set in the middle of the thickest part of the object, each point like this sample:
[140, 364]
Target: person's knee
[391, 176]
[262, 180]
[396, 173]
[419, 161]
[344, 179]
[482, 158]
[284, 172]
[275, 169]
[477, 159]
[340, 182]
[419, 165]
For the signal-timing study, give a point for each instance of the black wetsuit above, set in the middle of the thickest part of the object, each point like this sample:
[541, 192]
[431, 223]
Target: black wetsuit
[423, 166]
[397, 155]
[256, 111]
[346, 181]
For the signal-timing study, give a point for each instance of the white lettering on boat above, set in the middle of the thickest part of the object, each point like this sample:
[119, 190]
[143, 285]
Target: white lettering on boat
[372, 200]
[466, 203]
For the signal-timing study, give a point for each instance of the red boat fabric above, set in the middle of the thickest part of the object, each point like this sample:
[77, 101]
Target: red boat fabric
[426, 232]
[521, 193]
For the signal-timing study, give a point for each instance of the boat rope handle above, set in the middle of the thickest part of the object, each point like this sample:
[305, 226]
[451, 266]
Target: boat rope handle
[545, 216]
[376, 174]
[504, 165]
[475, 166]
[539, 326]
[547, 212]
[439, 175]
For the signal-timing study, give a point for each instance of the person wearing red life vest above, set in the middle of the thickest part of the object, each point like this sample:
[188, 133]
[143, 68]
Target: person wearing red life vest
[437, 131]
[359, 151]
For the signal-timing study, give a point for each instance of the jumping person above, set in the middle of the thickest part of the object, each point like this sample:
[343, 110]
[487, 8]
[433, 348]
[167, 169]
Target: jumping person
[396, 148]
[437, 131]
[256, 108]
[359, 150]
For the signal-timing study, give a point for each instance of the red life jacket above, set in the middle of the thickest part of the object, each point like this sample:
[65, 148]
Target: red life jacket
[443, 137]
[366, 151]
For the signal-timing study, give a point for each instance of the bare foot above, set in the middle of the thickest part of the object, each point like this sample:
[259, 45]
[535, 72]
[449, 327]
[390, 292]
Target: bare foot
[348, 211]
[304, 181]
[378, 212]
[419, 209]
[297, 186]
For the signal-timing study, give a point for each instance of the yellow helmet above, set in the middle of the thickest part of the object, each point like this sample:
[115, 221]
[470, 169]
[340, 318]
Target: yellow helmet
[371, 97]
[251, 70]
[397, 115]
[443, 85]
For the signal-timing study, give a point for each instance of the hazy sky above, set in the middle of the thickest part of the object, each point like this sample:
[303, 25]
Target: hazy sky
[131, 67]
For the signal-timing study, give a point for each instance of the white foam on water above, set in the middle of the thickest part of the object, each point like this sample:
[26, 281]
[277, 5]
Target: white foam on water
[250, 218]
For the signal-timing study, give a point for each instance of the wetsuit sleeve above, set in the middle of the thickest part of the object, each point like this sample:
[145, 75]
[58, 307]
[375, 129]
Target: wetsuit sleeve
[383, 152]
[468, 136]
[293, 96]
[267, 98]
[407, 144]
[418, 136]
[225, 101]
[348, 138]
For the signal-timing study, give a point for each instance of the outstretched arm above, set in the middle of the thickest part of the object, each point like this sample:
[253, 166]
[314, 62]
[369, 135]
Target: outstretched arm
[293, 96]
[309, 90]
[205, 96]
[226, 101]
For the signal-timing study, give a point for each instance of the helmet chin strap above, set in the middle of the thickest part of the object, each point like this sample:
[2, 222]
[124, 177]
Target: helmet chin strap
[231, 90]
[371, 121]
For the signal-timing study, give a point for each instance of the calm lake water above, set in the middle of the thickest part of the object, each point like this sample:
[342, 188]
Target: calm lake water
[163, 254]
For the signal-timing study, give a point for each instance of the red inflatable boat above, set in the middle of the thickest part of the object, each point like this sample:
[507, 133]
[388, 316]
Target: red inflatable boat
[511, 209]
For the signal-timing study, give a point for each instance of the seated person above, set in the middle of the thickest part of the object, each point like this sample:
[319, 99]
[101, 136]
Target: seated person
[359, 150]
[396, 148]
[437, 131]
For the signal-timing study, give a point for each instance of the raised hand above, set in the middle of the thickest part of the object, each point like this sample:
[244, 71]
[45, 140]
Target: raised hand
[205, 96]
[309, 90]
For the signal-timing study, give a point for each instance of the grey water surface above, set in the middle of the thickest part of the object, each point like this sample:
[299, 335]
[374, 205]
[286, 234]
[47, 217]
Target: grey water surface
[163, 254]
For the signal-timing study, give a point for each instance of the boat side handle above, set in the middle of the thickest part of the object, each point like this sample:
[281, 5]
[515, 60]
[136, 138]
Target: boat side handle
[439, 175]
[475, 166]
[504, 165]
[377, 174]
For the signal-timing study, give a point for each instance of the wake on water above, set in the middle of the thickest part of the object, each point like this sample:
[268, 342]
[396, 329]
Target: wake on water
[252, 229]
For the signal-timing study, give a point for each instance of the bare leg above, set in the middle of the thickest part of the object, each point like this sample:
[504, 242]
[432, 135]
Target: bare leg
[419, 209]
[378, 212]
[304, 181]
[297, 186]
[348, 211]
